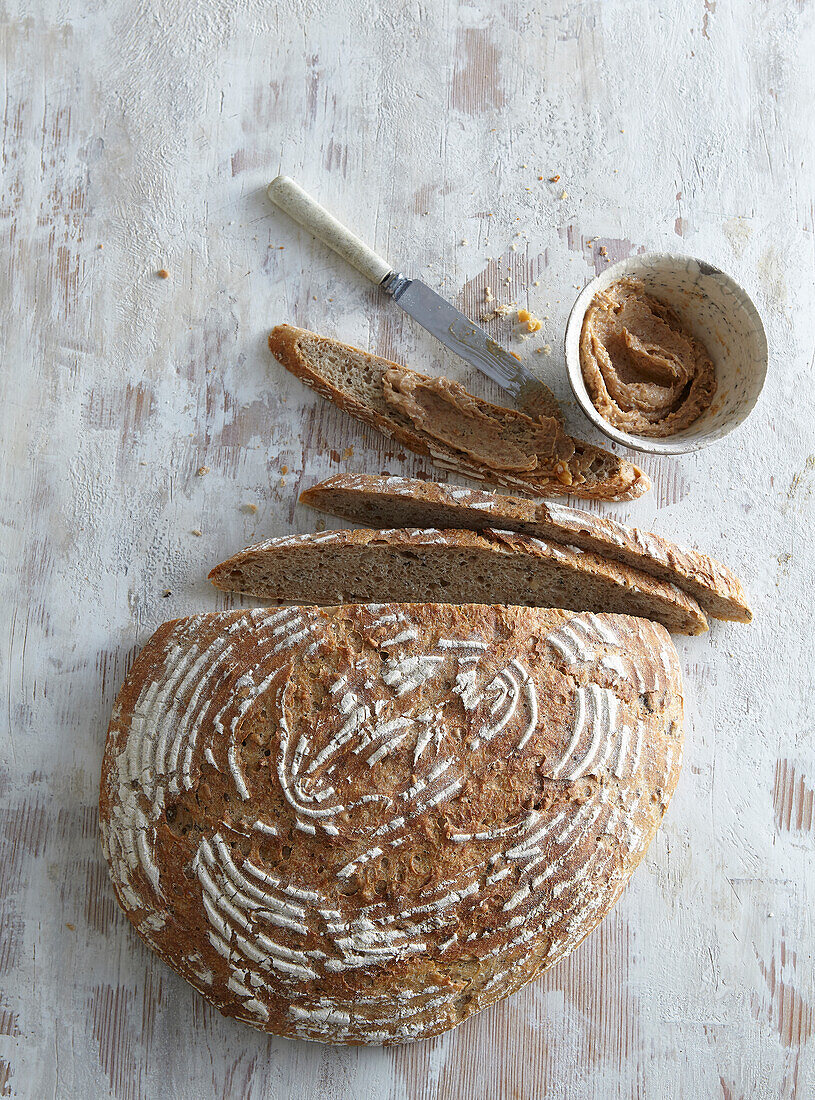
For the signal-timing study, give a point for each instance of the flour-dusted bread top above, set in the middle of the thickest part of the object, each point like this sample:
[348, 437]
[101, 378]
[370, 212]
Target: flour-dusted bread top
[364, 824]
[457, 566]
[375, 391]
[387, 501]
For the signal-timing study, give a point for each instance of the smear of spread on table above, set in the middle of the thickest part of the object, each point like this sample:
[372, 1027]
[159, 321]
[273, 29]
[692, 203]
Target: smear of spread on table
[644, 370]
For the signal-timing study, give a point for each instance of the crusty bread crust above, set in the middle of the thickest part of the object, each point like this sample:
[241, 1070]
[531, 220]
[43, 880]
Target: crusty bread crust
[382, 501]
[592, 472]
[364, 824]
[489, 566]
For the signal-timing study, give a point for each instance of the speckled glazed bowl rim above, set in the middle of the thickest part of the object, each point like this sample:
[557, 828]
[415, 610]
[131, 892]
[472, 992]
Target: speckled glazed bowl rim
[632, 265]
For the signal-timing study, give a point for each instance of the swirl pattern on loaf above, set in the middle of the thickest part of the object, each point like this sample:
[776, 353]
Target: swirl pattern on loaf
[362, 824]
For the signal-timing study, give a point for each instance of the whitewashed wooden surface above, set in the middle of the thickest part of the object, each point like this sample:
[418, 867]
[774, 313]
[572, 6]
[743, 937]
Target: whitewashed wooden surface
[139, 136]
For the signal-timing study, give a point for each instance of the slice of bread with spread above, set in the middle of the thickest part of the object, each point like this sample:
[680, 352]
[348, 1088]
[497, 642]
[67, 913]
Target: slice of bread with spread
[491, 567]
[458, 431]
[382, 501]
[364, 824]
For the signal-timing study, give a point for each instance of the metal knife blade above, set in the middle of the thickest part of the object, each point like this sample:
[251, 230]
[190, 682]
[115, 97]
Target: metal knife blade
[460, 335]
[443, 320]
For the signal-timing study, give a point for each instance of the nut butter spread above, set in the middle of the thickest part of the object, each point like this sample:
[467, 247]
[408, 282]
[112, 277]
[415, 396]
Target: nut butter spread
[644, 371]
[499, 438]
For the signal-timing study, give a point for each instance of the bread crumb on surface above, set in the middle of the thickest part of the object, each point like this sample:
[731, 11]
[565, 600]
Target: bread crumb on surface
[496, 311]
[526, 318]
[545, 350]
[167, 592]
[348, 452]
[250, 508]
[564, 194]
[195, 532]
[284, 469]
[203, 470]
[163, 273]
[554, 179]
[488, 297]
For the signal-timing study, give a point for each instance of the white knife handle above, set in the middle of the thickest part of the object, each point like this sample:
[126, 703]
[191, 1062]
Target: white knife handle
[300, 206]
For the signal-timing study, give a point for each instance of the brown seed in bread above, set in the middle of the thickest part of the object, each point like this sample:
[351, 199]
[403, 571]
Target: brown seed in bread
[408, 502]
[355, 382]
[490, 566]
[364, 824]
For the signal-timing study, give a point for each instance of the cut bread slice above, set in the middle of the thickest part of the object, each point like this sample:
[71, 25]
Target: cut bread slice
[408, 502]
[428, 566]
[438, 418]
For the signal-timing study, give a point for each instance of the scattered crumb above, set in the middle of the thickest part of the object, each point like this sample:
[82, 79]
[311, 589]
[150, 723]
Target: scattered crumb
[564, 194]
[488, 296]
[203, 470]
[540, 177]
[537, 282]
[163, 273]
[464, 240]
[554, 179]
[282, 482]
[71, 926]
[348, 452]
[497, 311]
[250, 508]
[101, 246]
[526, 318]
[545, 350]
[166, 593]
[195, 532]
[284, 469]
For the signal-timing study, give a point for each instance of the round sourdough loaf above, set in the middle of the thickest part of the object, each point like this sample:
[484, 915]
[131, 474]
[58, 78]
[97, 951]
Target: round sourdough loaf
[363, 824]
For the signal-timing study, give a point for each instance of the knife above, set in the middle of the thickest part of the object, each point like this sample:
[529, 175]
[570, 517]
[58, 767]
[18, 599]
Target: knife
[434, 313]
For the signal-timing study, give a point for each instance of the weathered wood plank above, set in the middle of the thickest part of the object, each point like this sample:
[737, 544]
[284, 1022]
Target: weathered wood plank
[140, 136]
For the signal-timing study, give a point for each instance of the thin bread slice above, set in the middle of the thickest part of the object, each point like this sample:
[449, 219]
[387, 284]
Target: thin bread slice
[408, 502]
[403, 404]
[426, 566]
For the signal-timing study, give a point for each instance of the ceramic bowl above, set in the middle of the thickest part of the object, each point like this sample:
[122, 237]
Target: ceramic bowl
[718, 312]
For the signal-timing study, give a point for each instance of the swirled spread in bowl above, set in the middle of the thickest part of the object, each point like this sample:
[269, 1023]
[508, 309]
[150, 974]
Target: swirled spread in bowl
[645, 372]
